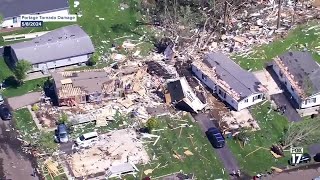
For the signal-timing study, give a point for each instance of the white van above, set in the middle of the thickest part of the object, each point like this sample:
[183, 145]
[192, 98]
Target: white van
[87, 139]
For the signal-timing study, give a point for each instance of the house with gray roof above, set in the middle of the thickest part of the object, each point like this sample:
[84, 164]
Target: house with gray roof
[232, 84]
[61, 47]
[300, 74]
[12, 9]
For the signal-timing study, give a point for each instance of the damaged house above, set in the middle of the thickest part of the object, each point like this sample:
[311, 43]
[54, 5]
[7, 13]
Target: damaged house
[234, 85]
[74, 87]
[300, 74]
[61, 47]
[182, 96]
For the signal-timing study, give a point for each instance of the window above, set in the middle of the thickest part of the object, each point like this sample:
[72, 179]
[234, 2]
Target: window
[257, 97]
[285, 82]
[220, 92]
[35, 66]
[15, 20]
[204, 77]
[69, 59]
[247, 100]
[292, 88]
[312, 100]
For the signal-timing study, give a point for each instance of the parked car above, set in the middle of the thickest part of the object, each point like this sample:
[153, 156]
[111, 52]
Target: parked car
[5, 113]
[1, 99]
[215, 137]
[316, 158]
[62, 133]
[305, 158]
[87, 139]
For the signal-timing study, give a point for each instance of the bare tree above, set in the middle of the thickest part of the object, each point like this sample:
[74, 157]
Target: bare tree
[301, 133]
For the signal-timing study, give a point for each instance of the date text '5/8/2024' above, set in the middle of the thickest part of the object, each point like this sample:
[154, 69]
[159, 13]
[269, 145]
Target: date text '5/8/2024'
[31, 23]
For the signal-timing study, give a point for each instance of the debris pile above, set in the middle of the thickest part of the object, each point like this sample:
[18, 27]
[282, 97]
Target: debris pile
[114, 148]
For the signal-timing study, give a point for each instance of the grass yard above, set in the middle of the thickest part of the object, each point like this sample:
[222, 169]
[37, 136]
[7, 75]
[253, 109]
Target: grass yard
[4, 70]
[29, 131]
[303, 36]
[203, 163]
[25, 124]
[272, 127]
[28, 86]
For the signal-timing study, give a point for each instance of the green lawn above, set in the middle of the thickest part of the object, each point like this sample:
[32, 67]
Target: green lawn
[4, 70]
[203, 163]
[272, 127]
[25, 124]
[303, 36]
[28, 86]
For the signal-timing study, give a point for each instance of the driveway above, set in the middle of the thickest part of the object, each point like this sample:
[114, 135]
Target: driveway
[291, 113]
[24, 100]
[226, 156]
[14, 164]
[307, 172]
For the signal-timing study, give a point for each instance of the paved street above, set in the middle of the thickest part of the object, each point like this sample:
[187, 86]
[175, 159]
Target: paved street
[14, 164]
[226, 156]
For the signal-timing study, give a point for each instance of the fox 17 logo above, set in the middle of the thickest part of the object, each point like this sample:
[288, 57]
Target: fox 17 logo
[296, 154]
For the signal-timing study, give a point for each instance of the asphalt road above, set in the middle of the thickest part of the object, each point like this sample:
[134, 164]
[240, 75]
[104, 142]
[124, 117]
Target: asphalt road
[226, 156]
[14, 164]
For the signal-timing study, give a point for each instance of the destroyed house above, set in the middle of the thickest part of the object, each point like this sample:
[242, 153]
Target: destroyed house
[233, 85]
[58, 48]
[74, 87]
[182, 96]
[300, 74]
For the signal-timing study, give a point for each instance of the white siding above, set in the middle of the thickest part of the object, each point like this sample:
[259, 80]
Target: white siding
[302, 104]
[7, 23]
[251, 100]
[225, 96]
[60, 63]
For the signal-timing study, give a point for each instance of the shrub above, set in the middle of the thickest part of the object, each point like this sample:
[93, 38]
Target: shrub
[35, 108]
[152, 123]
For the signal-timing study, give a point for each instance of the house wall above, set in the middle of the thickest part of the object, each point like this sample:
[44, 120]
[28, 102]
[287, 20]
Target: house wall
[250, 100]
[61, 63]
[285, 81]
[16, 22]
[225, 96]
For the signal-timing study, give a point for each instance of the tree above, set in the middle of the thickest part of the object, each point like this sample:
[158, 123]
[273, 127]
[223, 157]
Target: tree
[244, 135]
[63, 119]
[301, 133]
[21, 69]
[152, 123]
[94, 59]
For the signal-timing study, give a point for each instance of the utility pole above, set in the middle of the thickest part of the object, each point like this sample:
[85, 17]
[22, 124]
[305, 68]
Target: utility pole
[279, 14]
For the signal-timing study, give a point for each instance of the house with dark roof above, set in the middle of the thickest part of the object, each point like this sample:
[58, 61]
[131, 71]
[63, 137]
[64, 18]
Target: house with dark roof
[300, 74]
[12, 9]
[232, 84]
[76, 87]
[58, 48]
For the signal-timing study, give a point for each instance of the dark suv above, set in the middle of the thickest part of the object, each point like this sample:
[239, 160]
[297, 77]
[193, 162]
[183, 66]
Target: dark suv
[5, 113]
[215, 137]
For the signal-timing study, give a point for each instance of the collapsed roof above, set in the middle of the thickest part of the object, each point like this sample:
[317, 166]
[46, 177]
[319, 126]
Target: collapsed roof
[73, 83]
[182, 95]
